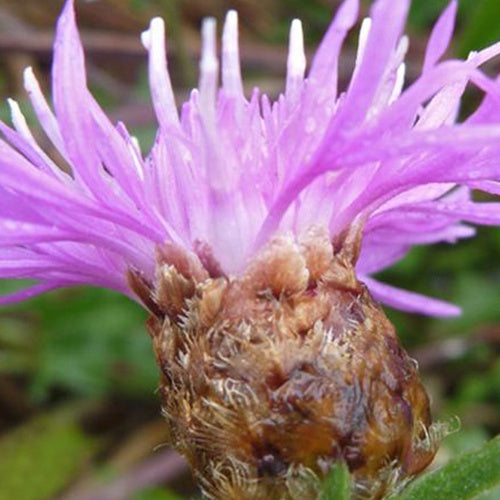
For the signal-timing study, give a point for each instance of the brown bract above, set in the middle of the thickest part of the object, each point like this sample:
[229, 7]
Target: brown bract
[269, 378]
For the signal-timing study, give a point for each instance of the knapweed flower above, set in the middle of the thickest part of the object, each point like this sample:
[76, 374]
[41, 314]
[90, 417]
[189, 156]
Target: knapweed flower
[250, 232]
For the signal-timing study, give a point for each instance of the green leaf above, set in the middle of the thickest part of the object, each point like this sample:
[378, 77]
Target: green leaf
[462, 478]
[41, 457]
[337, 485]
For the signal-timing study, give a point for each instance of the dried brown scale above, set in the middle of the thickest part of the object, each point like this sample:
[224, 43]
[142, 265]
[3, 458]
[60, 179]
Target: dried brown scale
[269, 378]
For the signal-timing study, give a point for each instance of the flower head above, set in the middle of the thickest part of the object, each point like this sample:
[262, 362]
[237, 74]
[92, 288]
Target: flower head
[230, 172]
[250, 232]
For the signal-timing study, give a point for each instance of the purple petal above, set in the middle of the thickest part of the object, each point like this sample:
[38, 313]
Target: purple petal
[27, 293]
[161, 88]
[410, 301]
[43, 112]
[441, 36]
[71, 101]
[324, 67]
[233, 172]
[388, 17]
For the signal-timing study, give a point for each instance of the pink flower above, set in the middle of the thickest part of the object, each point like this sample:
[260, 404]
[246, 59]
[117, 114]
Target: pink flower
[230, 172]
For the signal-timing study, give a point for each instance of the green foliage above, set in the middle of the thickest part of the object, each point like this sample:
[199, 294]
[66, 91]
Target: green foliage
[156, 494]
[424, 12]
[477, 27]
[462, 478]
[41, 457]
[91, 342]
[482, 27]
[337, 485]
[467, 439]
[466, 274]
[96, 345]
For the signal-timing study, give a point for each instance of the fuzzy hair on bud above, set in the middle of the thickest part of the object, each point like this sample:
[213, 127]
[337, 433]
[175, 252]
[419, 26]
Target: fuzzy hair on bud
[270, 378]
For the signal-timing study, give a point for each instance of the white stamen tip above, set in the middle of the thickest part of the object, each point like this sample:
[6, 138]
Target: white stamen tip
[364, 32]
[146, 39]
[29, 78]
[296, 52]
[403, 45]
[231, 26]
[135, 143]
[209, 66]
[157, 25]
[209, 46]
[159, 78]
[472, 54]
[231, 73]
[14, 106]
[399, 83]
[15, 111]
[155, 33]
[18, 119]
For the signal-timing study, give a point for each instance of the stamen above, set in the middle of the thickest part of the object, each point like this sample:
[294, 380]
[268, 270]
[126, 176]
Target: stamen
[398, 85]
[19, 121]
[486, 54]
[42, 110]
[231, 72]
[135, 149]
[160, 84]
[209, 66]
[402, 48]
[364, 33]
[21, 126]
[296, 63]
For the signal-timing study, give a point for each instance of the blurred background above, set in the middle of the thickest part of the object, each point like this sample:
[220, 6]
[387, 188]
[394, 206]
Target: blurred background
[79, 417]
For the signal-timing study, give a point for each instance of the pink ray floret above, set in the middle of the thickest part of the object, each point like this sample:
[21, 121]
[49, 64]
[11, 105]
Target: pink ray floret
[232, 170]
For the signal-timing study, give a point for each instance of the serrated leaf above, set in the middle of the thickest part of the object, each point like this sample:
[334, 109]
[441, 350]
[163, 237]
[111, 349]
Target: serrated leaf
[42, 456]
[462, 478]
[337, 485]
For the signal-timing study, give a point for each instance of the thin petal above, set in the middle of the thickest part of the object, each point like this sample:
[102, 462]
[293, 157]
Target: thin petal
[28, 293]
[231, 71]
[324, 67]
[388, 17]
[209, 70]
[159, 79]
[296, 64]
[43, 112]
[410, 301]
[441, 36]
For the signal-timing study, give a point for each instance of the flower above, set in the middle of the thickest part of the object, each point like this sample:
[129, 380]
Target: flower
[229, 173]
[250, 232]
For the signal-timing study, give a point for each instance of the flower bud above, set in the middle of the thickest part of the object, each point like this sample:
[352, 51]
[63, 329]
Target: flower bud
[271, 377]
